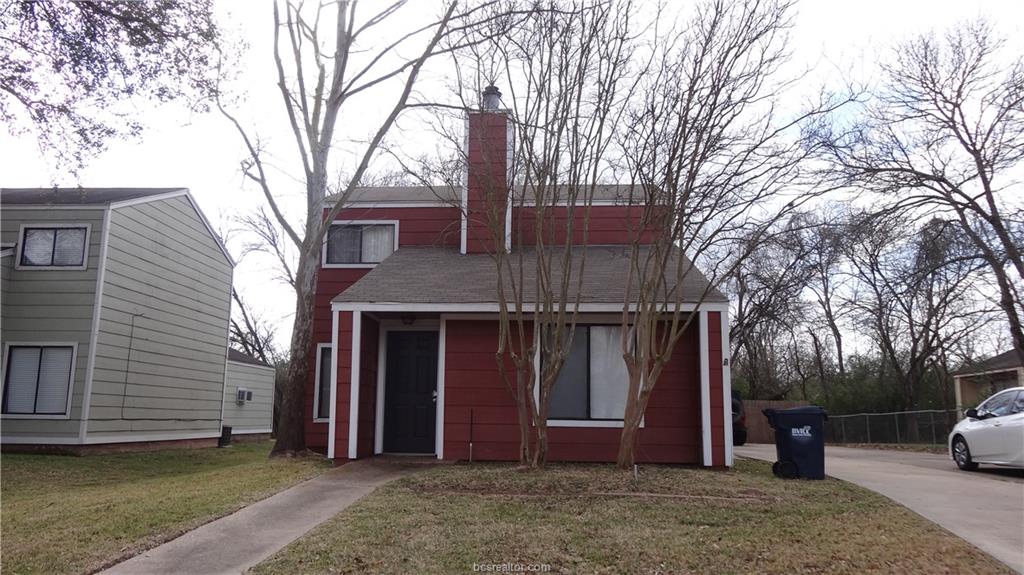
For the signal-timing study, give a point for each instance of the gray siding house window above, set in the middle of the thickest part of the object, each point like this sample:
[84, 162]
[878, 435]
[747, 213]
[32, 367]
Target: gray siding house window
[53, 247]
[360, 243]
[38, 379]
[593, 382]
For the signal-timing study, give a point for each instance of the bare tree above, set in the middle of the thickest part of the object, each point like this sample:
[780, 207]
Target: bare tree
[712, 162]
[322, 62]
[566, 67]
[915, 292]
[251, 333]
[66, 65]
[944, 136]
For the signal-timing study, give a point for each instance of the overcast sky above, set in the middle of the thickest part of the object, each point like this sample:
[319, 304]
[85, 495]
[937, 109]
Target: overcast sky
[202, 151]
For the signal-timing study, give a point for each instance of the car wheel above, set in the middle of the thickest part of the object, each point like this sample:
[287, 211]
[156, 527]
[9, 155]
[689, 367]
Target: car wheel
[962, 455]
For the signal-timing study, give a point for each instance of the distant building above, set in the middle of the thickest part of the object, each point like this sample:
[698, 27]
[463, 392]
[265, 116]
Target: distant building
[976, 382]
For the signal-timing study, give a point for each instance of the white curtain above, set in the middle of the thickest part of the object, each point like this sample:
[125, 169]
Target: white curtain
[38, 248]
[609, 379]
[378, 242]
[69, 249]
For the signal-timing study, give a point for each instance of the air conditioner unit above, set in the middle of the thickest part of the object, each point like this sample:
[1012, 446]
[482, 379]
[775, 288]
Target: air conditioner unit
[243, 395]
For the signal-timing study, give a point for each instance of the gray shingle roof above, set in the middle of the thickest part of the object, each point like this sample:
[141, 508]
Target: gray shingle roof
[1005, 360]
[439, 275]
[77, 196]
[235, 355]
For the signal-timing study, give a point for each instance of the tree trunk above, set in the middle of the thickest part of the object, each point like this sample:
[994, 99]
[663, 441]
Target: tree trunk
[291, 438]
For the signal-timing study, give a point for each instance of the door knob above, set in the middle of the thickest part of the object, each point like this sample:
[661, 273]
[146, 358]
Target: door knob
[434, 396]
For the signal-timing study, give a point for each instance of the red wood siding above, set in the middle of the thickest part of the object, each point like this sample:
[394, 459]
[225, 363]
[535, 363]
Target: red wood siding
[608, 225]
[717, 401]
[367, 388]
[426, 226]
[672, 424]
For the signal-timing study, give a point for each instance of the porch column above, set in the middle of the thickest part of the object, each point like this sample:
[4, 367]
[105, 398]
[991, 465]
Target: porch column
[727, 388]
[705, 389]
[353, 406]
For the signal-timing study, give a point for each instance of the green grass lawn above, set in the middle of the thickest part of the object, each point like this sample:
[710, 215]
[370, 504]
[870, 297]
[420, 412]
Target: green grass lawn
[595, 519]
[63, 514]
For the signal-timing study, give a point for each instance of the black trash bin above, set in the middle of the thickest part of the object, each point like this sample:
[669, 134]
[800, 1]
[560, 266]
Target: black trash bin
[799, 441]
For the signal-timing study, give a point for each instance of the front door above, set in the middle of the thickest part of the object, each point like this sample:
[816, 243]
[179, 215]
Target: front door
[410, 392]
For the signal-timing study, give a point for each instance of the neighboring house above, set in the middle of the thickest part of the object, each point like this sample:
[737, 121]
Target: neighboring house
[976, 382]
[405, 332]
[248, 395]
[115, 309]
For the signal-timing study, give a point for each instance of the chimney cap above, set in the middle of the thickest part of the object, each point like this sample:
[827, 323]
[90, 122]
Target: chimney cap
[491, 98]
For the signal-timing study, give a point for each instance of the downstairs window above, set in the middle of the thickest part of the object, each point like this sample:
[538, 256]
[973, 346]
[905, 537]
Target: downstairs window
[593, 383]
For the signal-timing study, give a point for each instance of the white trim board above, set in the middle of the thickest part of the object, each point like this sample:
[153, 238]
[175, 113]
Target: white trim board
[705, 391]
[727, 390]
[90, 366]
[495, 308]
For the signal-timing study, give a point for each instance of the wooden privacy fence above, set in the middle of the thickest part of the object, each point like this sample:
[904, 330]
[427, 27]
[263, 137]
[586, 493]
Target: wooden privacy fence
[758, 430]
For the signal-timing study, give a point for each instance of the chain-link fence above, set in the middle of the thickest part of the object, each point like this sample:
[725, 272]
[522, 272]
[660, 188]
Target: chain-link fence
[926, 426]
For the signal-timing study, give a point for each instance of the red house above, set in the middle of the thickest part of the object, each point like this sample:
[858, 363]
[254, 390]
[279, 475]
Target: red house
[406, 330]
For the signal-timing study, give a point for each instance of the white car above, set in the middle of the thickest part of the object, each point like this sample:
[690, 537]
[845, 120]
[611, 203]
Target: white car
[992, 433]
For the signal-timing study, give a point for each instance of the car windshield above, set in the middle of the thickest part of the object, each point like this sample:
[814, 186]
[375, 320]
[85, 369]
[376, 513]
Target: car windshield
[999, 404]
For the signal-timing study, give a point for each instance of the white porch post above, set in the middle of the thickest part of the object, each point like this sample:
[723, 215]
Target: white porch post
[333, 409]
[727, 388]
[439, 438]
[353, 407]
[705, 389]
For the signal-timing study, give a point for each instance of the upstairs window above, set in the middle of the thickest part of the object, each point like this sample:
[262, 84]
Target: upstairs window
[38, 379]
[359, 244]
[593, 382]
[53, 247]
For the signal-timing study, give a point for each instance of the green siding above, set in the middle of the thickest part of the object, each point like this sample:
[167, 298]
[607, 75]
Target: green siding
[49, 306]
[251, 416]
[162, 263]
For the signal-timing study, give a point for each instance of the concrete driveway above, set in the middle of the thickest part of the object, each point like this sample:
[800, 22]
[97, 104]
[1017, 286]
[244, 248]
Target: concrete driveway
[985, 508]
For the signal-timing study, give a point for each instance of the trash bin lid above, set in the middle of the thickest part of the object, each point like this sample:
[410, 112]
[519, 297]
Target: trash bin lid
[810, 410]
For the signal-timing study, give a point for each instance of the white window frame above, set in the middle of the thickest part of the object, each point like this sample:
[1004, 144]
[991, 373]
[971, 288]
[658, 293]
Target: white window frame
[323, 251]
[316, 383]
[52, 225]
[71, 379]
[612, 423]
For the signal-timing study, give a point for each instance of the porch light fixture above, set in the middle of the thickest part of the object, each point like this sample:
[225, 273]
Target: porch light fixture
[408, 319]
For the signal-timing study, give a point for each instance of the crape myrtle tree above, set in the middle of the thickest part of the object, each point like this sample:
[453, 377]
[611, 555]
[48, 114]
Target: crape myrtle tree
[943, 135]
[326, 55]
[66, 65]
[566, 73]
[569, 74]
[714, 164]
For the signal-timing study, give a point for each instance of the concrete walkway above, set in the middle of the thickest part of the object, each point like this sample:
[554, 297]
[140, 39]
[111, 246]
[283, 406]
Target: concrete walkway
[238, 541]
[985, 508]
